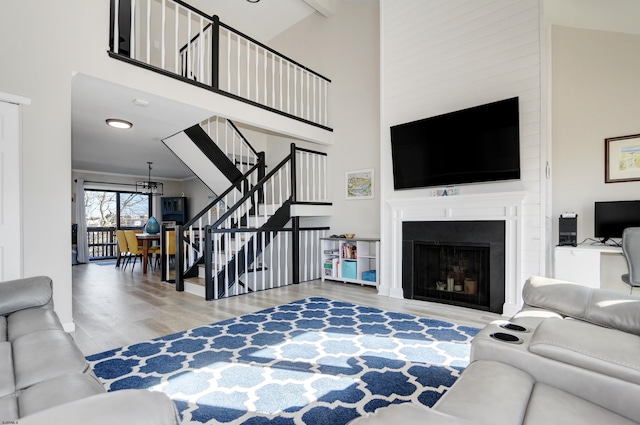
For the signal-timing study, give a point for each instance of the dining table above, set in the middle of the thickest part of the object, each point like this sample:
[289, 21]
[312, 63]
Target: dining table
[146, 238]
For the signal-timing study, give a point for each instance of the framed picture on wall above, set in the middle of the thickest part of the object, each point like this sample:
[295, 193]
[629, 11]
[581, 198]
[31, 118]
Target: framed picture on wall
[622, 159]
[359, 184]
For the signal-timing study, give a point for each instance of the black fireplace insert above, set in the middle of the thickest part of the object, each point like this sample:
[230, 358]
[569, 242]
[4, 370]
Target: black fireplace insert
[455, 262]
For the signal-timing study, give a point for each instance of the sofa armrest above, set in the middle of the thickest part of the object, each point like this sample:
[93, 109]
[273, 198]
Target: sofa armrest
[139, 407]
[408, 414]
[598, 306]
[20, 294]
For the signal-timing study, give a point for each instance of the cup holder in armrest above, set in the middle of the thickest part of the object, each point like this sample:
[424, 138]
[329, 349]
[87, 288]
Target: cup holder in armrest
[514, 327]
[505, 337]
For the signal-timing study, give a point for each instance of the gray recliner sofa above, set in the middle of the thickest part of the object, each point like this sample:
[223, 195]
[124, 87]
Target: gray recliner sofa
[571, 355]
[44, 377]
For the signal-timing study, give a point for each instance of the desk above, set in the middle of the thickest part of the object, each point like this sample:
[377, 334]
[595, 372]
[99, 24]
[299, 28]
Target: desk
[581, 264]
[145, 238]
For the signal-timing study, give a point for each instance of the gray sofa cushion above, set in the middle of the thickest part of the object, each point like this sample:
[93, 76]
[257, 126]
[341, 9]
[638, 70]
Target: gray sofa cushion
[3, 328]
[409, 414]
[25, 293]
[31, 320]
[48, 394]
[550, 405]
[9, 407]
[607, 351]
[137, 407]
[7, 381]
[601, 307]
[490, 393]
[44, 355]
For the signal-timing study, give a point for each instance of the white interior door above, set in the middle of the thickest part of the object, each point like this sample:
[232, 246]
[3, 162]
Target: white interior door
[11, 253]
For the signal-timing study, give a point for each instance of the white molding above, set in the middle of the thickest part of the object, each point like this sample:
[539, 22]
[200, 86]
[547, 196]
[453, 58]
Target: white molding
[14, 98]
[505, 206]
[138, 177]
[307, 210]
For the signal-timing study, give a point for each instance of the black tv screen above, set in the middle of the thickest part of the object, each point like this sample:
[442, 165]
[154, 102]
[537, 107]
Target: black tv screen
[479, 144]
[611, 218]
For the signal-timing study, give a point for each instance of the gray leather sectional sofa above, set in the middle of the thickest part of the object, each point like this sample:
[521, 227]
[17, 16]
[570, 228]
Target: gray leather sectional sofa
[45, 379]
[570, 356]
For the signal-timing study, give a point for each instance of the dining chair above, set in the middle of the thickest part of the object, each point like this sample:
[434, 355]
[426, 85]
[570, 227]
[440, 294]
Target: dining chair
[171, 243]
[134, 249]
[155, 251]
[631, 251]
[123, 249]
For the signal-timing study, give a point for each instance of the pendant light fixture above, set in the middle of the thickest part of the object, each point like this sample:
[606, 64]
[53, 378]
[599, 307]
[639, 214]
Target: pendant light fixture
[150, 187]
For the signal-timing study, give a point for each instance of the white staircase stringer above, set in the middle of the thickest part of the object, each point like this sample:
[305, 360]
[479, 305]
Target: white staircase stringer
[184, 148]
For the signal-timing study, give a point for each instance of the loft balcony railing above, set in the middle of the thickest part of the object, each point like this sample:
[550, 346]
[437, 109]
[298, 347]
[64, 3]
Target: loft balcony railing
[176, 39]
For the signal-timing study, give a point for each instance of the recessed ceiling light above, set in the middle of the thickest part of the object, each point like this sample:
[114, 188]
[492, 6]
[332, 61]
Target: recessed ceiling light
[118, 123]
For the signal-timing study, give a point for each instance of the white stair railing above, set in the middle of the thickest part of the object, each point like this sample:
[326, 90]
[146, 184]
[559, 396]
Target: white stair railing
[311, 176]
[177, 38]
[253, 71]
[231, 142]
[225, 241]
[193, 233]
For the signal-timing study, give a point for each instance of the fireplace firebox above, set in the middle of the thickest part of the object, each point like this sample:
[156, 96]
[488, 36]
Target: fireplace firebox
[455, 262]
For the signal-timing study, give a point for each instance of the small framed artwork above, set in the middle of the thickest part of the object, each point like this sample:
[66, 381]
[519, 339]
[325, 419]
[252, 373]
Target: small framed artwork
[359, 184]
[622, 159]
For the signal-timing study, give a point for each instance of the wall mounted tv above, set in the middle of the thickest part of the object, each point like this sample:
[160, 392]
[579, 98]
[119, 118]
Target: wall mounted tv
[611, 218]
[479, 144]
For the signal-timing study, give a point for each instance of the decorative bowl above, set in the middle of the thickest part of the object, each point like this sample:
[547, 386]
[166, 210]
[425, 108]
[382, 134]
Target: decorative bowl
[349, 235]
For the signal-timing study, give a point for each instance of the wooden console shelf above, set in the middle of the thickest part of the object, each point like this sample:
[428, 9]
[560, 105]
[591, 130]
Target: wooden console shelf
[355, 260]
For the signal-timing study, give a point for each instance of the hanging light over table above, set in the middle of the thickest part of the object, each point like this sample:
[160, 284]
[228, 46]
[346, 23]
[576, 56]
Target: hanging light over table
[149, 187]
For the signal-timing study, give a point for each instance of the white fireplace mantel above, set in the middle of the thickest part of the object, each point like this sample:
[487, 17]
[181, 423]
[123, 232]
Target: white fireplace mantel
[505, 206]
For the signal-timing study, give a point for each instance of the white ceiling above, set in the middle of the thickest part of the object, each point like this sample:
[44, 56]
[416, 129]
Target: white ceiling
[101, 149]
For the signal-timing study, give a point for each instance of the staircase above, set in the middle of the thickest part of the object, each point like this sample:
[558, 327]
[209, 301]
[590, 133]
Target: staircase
[246, 239]
[252, 235]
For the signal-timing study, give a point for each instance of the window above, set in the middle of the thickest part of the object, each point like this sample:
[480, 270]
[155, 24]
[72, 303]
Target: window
[107, 211]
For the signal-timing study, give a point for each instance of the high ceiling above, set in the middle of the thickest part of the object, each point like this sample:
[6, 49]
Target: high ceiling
[104, 150]
[101, 149]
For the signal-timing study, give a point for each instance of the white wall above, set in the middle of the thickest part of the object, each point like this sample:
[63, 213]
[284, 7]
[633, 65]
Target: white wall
[596, 95]
[35, 44]
[439, 57]
[198, 195]
[344, 48]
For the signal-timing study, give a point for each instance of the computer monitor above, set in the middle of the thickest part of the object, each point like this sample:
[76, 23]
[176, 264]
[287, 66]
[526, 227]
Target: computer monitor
[611, 218]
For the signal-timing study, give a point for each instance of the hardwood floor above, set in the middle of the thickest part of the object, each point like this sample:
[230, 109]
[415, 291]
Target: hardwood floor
[113, 308]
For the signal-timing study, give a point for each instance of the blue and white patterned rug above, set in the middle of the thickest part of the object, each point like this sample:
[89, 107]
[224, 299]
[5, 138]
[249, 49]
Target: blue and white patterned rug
[313, 361]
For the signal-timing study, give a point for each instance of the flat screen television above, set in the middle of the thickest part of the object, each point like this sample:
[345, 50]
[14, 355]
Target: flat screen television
[611, 218]
[479, 144]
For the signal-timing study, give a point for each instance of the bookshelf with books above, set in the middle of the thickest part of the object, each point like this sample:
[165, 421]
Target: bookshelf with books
[354, 260]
